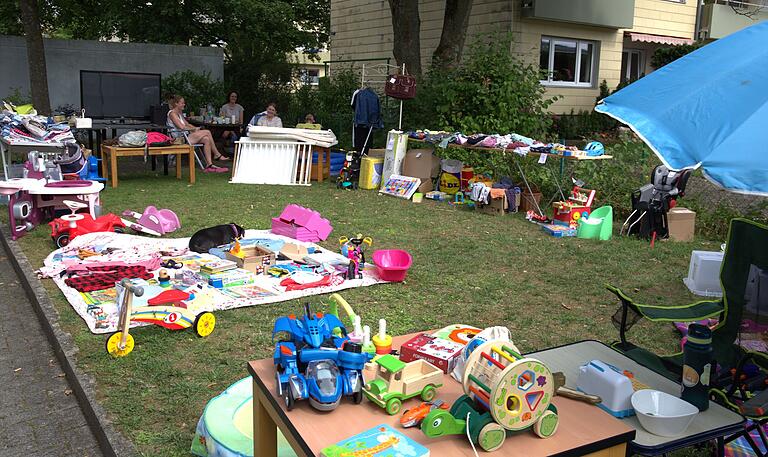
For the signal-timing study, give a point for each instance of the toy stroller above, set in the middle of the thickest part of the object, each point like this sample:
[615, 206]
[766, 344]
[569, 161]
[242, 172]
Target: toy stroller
[651, 202]
[352, 248]
[153, 221]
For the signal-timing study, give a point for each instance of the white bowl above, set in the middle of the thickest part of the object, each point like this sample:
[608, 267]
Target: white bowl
[661, 413]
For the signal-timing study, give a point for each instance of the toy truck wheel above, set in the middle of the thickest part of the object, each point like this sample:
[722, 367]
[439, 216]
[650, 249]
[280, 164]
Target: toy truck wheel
[428, 393]
[204, 324]
[491, 437]
[113, 345]
[393, 406]
[546, 426]
[62, 240]
[288, 398]
[357, 397]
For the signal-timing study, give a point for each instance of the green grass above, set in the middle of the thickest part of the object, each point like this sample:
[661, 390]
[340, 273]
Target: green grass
[468, 268]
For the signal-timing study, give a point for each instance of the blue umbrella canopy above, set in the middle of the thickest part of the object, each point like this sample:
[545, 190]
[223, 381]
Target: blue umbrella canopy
[708, 109]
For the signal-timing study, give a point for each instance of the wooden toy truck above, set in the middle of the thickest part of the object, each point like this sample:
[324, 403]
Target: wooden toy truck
[397, 381]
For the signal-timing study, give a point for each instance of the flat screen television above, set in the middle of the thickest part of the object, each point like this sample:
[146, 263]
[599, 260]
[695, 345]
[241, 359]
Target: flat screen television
[110, 95]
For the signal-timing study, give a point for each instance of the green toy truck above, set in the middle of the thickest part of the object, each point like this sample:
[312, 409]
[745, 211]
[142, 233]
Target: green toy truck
[397, 381]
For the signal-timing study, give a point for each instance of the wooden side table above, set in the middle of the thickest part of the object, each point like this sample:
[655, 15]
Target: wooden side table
[322, 169]
[584, 430]
[112, 153]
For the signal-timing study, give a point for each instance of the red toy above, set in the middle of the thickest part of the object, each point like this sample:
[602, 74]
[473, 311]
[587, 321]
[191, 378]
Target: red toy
[65, 228]
[414, 416]
[578, 205]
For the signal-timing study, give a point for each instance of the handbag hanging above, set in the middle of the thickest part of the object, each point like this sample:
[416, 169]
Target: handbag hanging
[402, 87]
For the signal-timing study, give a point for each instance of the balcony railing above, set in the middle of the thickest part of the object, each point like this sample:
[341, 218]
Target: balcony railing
[723, 17]
[617, 14]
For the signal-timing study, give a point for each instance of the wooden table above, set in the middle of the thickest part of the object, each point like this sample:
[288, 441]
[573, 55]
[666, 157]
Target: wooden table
[112, 153]
[583, 430]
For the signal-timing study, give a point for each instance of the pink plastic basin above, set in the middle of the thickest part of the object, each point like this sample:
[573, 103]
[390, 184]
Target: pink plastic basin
[392, 264]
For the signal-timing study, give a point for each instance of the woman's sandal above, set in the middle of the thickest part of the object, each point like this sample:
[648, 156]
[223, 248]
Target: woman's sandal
[211, 168]
[222, 158]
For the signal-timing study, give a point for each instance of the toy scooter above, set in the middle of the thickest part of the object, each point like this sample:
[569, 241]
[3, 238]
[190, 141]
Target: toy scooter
[352, 248]
[65, 228]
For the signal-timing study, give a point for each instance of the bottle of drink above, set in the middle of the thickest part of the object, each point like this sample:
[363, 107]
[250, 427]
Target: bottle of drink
[697, 366]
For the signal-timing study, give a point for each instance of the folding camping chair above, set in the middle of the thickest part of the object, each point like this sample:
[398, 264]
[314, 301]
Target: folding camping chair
[737, 340]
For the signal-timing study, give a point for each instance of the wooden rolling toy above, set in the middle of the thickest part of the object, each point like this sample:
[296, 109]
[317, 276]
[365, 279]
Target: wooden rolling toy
[504, 392]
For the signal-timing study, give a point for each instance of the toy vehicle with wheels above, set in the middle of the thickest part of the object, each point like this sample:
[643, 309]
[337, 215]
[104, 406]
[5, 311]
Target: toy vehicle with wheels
[413, 417]
[66, 228]
[314, 364]
[504, 392]
[397, 381]
[166, 310]
[354, 249]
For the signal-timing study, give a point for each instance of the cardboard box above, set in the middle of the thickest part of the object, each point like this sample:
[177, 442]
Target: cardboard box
[394, 155]
[437, 351]
[421, 163]
[495, 207]
[257, 259]
[682, 224]
[377, 153]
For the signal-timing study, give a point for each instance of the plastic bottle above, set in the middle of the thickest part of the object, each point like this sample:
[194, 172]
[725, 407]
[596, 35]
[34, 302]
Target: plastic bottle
[697, 366]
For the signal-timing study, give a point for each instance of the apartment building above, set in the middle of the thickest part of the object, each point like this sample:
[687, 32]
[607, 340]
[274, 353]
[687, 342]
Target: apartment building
[578, 43]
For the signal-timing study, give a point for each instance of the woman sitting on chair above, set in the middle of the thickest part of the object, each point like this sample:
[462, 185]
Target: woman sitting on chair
[178, 127]
[231, 110]
[270, 118]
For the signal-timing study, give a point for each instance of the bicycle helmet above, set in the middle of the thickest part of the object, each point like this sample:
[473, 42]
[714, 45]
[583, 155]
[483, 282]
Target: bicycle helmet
[594, 148]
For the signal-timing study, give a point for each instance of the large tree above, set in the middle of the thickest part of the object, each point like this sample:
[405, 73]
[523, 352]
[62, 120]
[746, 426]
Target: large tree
[38, 76]
[406, 26]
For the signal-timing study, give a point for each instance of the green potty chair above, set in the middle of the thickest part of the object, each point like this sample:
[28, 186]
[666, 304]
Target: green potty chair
[598, 226]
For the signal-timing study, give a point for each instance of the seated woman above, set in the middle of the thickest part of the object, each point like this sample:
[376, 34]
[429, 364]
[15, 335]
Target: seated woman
[270, 119]
[177, 126]
[231, 110]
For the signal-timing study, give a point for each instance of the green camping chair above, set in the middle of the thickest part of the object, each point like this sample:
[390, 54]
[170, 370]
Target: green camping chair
[598, 226]
[741, 318]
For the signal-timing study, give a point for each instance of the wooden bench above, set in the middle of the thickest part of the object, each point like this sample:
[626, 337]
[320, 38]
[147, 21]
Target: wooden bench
[110, 154]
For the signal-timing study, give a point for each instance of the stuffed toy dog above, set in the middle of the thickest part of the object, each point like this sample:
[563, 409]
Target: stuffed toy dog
[211, 237]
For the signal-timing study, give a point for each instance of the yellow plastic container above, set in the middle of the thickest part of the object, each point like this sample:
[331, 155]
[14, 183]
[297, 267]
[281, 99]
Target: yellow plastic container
[370, 172]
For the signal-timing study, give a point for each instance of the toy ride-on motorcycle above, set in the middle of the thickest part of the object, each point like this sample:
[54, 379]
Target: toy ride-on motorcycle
[312, 363]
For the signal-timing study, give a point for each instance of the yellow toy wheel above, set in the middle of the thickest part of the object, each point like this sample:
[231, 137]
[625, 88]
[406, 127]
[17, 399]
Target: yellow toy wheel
[113, 343]
[204, 324]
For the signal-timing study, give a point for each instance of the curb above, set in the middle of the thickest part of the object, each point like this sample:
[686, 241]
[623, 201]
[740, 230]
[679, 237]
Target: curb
[111, 442]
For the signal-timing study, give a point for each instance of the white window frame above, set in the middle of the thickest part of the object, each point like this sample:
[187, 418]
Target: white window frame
[640, 61]
[676, 1]
[552, 41]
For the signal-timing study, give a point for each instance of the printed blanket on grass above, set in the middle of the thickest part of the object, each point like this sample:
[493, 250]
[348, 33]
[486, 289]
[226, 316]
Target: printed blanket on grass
[99, 310]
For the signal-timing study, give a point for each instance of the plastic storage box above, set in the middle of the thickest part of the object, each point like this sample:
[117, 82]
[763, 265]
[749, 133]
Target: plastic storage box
[704, 273]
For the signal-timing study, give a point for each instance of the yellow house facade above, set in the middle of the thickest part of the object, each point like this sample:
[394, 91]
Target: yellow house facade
[577, 43]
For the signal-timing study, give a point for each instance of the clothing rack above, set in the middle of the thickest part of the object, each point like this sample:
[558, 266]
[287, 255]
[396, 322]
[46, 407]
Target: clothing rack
[380, 72]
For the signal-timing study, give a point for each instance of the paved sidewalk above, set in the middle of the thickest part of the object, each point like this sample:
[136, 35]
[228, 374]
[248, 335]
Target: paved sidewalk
[40, 415]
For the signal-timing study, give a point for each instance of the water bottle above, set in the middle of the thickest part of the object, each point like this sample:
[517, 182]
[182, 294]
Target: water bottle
[697, 366]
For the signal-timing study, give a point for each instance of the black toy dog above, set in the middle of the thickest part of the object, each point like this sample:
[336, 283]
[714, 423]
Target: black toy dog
[207, 238]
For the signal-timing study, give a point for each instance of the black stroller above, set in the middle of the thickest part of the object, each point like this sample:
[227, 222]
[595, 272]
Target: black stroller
[651, 202]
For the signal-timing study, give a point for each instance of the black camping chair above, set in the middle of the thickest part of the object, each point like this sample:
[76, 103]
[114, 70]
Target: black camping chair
[741, 380]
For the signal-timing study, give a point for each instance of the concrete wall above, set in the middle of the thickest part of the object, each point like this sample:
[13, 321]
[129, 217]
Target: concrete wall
[65, 59]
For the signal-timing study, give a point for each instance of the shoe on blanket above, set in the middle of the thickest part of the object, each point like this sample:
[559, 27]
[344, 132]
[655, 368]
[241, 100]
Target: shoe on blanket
[214, 169]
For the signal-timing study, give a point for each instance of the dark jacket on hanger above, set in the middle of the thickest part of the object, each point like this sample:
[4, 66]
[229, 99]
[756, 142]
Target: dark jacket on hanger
[365, 102]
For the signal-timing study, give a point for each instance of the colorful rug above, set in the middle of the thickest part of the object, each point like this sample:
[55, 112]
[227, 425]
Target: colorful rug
[99, 310]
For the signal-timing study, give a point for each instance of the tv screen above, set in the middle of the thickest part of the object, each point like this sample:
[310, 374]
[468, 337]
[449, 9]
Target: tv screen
[106, 94]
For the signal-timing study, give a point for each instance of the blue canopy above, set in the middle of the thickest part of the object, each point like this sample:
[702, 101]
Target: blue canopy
[708, 109]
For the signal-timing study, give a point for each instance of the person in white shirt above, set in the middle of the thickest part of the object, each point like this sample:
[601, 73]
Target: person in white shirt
[270, 119]
[229, 110]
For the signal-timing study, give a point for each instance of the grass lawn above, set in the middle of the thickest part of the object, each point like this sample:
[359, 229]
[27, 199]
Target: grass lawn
[468, 268]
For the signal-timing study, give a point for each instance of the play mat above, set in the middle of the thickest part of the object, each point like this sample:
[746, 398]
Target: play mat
[102, 250]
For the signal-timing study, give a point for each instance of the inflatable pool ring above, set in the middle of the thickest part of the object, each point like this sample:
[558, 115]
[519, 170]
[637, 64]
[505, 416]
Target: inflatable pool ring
[226, 427]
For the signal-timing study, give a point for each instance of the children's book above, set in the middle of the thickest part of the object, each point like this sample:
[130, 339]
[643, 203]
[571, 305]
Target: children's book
[401, 186]
[218, 266]
[380, 441]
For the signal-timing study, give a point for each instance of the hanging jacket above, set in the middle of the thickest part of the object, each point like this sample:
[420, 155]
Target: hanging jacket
[365, 102]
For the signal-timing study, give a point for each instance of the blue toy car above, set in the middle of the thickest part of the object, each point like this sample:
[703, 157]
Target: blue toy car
[312, 363]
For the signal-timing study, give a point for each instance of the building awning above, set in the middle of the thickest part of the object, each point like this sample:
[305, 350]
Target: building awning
[661, 39]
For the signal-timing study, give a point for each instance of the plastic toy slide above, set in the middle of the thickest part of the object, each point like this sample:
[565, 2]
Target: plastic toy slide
[226, 427]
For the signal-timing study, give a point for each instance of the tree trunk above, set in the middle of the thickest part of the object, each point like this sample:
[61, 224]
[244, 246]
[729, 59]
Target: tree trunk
[406, 26]
[455, 22]
[38, 77]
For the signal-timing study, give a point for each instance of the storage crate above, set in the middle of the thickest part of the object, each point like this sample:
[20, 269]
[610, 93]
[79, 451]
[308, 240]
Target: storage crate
[257, 259]
[704, 273]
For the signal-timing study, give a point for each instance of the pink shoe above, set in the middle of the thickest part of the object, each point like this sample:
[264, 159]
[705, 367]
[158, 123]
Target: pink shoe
[214, 169]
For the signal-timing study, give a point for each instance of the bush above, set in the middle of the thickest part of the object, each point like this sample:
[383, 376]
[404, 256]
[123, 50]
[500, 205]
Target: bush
[663, 56]
[198, 90]
[17, 97]
[492, 91]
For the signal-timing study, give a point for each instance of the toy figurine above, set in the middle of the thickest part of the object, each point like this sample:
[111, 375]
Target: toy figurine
[352, 248]
[163, 278]
[313, 364]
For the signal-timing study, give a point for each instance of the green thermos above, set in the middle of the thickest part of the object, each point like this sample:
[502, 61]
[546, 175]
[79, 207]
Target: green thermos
[697, 366]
